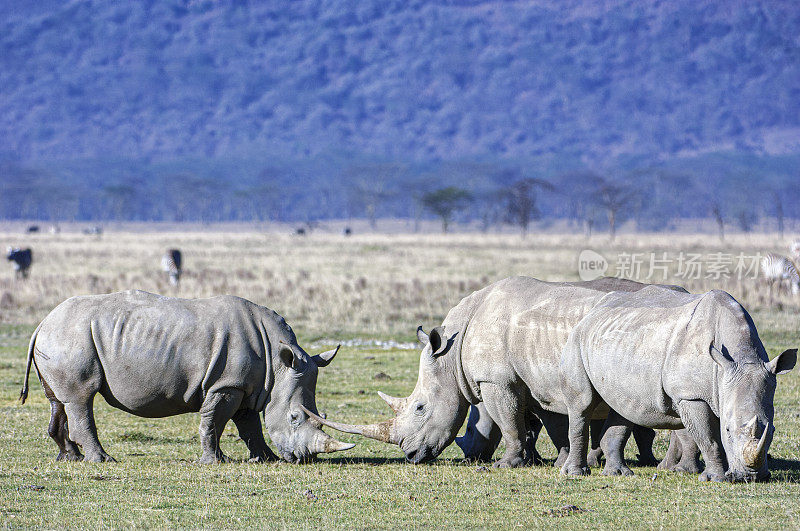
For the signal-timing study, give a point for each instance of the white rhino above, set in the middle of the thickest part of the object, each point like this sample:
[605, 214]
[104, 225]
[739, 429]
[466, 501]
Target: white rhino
[156, 356]
[496, 346]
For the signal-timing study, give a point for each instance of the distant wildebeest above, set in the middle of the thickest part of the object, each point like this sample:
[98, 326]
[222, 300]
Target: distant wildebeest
[300, 231]
[22, 259]
[154, 356]
[32, 228]
[96, 231]
[347, 231]
[171, 265]
[779, 269]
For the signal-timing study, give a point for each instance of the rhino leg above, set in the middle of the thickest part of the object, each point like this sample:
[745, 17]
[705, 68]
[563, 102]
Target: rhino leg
[644, 438]
[581, 400]
[703, 427]
[556, 426]
[673, 454]
[596, 428]
[80, 416]
[690, 454]
[616, 433]
[58, 430]
[506, 409]
[532, 435]
[249, 426]
[218, 408]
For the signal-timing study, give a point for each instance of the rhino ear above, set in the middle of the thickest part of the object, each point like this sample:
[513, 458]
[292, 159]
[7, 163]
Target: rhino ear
[440, 344]
[722, 359]
[783, 362]
[288, 357]
[422, 336]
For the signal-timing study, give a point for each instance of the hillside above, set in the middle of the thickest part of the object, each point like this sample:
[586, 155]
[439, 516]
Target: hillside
[417, 80]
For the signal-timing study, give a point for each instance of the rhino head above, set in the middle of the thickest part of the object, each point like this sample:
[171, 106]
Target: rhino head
[746, 392]
[427, 421]
[298, 437]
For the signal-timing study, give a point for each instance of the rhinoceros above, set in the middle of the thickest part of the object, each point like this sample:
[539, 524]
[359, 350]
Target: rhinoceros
[482, 435]
[155, 356]
[665, 359]
[500, 346]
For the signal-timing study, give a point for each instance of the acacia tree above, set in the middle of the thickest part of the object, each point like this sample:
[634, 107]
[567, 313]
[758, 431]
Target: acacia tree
[614, 196]
[521, 197]
[445, 201]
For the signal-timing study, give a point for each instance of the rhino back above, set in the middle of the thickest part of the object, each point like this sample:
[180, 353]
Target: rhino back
[518, 331]
[642, 350]
[160, 356]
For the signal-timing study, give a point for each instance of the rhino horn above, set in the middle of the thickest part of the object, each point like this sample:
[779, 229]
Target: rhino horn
[395, 403]
[324, 444]
[755, 453]
[382, 431]
[323, 359]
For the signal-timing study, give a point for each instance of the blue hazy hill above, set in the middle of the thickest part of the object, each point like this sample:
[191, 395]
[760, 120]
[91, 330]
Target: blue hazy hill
[410, 80]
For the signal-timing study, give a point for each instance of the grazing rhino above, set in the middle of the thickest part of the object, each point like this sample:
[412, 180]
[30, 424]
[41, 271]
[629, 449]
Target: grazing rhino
[500, 346]
[156, 356]
[665, 359]
[482, 435]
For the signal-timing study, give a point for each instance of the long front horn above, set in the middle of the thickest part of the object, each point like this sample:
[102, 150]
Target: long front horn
[324, 444]
[754, 457]
[395, 403]
[382, 431]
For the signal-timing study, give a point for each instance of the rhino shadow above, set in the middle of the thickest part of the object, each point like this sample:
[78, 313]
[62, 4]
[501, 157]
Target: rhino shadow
[363, 460]
[787, 470]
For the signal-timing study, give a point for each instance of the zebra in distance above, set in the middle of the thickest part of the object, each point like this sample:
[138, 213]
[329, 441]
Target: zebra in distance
[22, 259]
[777, 268]
[171, 265]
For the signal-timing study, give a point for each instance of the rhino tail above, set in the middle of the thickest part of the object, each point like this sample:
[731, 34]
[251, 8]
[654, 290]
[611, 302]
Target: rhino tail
[23, 395]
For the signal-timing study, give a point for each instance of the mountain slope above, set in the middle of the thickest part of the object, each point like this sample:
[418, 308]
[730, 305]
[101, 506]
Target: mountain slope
[414, 80]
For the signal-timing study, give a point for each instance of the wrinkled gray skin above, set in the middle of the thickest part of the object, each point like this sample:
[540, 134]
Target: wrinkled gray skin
[482, 435]
[156, 356]
[500, 346]
[665, 359]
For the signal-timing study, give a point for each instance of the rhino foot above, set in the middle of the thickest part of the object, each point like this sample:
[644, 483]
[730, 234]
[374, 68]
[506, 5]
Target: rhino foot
[687, 468]
[571, 470]
[69, 456]
[512, 462]
[593, 457]
[619, 470]
[99, 458]
[712, 476]
[646, 460]
[210, 459]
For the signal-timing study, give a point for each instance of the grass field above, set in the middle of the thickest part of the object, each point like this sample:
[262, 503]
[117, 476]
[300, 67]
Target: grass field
[372, 288]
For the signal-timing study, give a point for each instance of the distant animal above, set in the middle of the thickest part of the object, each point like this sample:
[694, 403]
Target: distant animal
[300, 231]
[171, 265]
[32, 228]
[152, 356]
[96, 231]
[795, 248]
[779, 269]
[55, 229]
[22, 259]
[347, 231]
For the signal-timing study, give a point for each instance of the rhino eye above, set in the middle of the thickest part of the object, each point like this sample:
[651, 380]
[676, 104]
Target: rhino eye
[419, 409]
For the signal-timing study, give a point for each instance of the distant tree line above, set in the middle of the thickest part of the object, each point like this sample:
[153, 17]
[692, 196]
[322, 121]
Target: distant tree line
[489, 194]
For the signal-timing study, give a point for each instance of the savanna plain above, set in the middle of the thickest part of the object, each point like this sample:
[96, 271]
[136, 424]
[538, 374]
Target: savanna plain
[369, 292]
